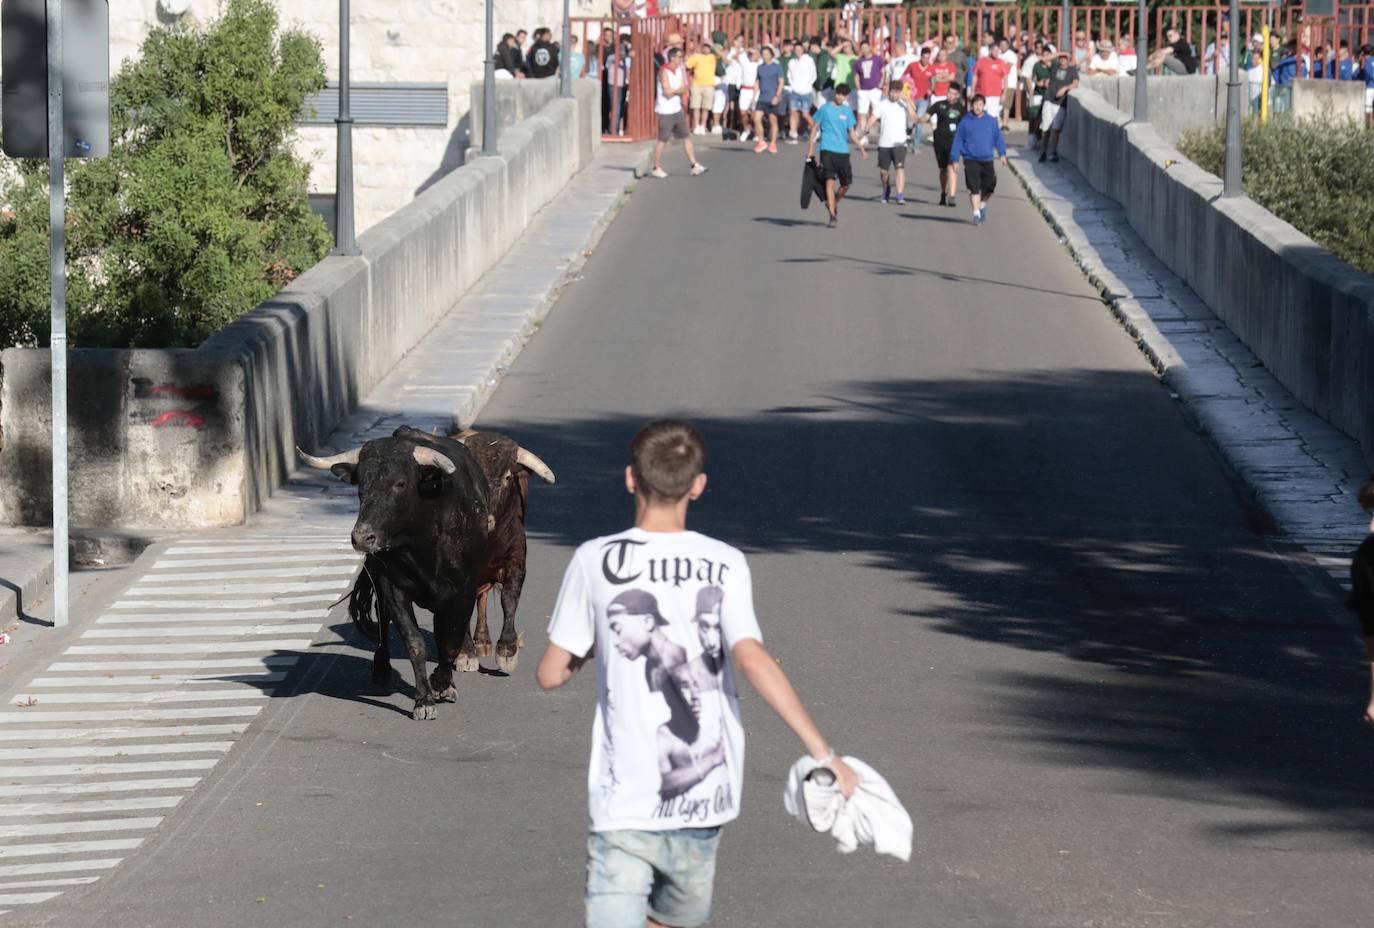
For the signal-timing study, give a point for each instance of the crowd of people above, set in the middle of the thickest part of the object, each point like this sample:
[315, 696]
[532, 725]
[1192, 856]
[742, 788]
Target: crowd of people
[835, 92]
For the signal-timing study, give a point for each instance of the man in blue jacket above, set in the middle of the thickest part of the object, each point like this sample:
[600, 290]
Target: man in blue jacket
[977, 140]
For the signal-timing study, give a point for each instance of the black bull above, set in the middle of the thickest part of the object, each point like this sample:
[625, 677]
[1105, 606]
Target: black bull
[440, 519]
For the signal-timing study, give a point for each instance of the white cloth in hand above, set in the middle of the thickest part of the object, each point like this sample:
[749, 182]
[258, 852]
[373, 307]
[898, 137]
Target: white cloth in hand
[873, 815]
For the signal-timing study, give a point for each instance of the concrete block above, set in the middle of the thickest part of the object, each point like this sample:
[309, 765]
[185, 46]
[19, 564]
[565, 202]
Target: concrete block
[1328, 100]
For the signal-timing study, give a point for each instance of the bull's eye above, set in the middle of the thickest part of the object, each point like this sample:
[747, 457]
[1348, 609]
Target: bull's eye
[400, 485]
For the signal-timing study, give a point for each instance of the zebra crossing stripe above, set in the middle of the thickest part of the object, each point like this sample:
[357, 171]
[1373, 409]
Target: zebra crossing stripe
[128, 715]
[76, 734]
[63, 881]
[227, 588]
[68, 847]
[230, 564]
[119, 750]
[163, 578]
[272, 660]
[254, 647]
[62, 866]
[83, 770]
[27, 898]
[46, 829]
[109, 786]
[67, 699]
[136, 619]
[235, 604]
[162, 679]
[212, 631]
[133, 804]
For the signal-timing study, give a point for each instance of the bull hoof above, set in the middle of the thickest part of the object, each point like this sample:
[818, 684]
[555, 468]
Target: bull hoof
[507, 664]
[448, 694]
[467, 663]
[424, 712]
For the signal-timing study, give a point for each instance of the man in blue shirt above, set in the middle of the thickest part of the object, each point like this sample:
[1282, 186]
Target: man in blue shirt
[833, 127]
[1342, 67]
[976, 141]
[1366, 74]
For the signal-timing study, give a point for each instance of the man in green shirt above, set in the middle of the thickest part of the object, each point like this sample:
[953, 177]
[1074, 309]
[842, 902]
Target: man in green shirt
[825, 69]
[1040, 85]
[844, 63]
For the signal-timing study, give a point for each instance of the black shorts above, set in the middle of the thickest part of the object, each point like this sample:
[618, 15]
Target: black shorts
[837, 167]
[979, 177]
[942, 151]
[892, 157]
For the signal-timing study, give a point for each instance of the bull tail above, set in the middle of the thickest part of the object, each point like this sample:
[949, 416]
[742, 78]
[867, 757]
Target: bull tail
[362, 603]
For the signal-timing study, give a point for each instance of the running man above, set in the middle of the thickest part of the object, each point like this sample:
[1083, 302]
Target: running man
[976, 140]
[894, 115]
[944, 116]
[870, 72]
[833, 127]
[918, 75]
[1054, 110]
[672, 89]
[801, 84]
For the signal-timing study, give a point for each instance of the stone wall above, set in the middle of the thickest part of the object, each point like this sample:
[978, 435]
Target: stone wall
[200, 437]
[414, 41]
[1306, 314]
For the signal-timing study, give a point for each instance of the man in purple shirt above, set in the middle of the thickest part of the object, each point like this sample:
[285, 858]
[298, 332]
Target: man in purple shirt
[870, 76]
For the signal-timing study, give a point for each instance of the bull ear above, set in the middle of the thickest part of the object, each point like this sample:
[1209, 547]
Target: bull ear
[348, 473]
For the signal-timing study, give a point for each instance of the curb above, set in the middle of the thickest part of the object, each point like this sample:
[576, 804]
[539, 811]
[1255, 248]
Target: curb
[26, 570]
[1313, 504]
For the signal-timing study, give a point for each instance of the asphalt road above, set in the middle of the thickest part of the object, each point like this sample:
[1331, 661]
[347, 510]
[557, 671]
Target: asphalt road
[986, 545]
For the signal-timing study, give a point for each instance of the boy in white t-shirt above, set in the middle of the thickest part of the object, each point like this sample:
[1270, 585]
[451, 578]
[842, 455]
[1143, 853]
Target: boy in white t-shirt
[668, 615]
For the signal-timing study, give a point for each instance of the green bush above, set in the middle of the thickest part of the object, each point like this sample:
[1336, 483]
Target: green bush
[200, 211]
[1318, 176]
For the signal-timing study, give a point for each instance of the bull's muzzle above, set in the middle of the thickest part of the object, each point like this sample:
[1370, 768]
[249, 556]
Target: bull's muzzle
[366, 539]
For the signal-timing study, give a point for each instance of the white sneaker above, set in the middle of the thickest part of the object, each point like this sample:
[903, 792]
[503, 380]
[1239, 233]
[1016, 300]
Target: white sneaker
[659, 173]
[699, 130]
[744, 136]
[715, 130]
[697, 169]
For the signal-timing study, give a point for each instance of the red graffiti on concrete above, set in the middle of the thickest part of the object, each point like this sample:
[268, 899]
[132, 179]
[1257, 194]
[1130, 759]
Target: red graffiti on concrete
[179, 417]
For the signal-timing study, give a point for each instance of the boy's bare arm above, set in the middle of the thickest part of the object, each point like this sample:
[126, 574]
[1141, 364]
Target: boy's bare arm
[757, 666]
[558, 666]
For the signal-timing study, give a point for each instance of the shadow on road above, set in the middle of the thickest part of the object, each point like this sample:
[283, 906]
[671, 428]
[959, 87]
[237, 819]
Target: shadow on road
[1043, 513]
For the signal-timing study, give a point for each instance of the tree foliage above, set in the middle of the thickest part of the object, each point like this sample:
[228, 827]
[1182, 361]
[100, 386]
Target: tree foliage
[1316, 175]
[200, 211]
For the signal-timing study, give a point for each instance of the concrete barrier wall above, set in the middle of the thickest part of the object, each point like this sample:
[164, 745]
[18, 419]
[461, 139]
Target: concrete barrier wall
[1305, 313]
[196, 437]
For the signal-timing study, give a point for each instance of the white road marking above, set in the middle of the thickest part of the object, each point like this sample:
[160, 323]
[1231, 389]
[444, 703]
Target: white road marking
[68, 699]
[303, 572]
[109, 786]
[255, 647]
[230, 564]
[79, 828]
[256, 547]
[82, 770]
[64, 866]
[78, 735]
[272, 660]
[177, 619]
[162, 679]
[119, 750]
[65, 881]
[210, 631]
[32, 717]
[227, 588]
[27, 898]
[236, 604]
[134, 804]
[68, 847]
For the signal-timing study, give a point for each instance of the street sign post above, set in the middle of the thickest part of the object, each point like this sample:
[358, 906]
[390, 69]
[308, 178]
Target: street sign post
[57, 104]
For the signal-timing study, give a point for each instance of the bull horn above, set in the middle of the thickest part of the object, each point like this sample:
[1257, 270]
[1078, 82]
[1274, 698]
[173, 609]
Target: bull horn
[463, 436]
[529, 459]
[348, 457]
[428, 457]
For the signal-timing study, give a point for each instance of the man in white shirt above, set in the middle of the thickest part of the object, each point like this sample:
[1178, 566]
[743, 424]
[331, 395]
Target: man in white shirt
[667, 615]
[1104, 62]
[894, 114]
[801, 83]
[1013, 63]
[748, 89]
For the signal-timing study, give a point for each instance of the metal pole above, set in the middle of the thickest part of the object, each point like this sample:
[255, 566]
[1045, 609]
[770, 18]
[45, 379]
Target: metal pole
[1231, 182]
[1264, 87]
[1066, 30]
[57, 208]
[1142, 59]
[344, 241]
[489, 87]
[564, 56]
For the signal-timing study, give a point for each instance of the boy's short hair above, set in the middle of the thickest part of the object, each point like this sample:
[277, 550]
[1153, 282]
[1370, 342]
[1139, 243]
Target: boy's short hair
[841, 90]
[1366, 496]
[666, 457]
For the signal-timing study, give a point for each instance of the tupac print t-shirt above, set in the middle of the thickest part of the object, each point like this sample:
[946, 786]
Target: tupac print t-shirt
[663, 611]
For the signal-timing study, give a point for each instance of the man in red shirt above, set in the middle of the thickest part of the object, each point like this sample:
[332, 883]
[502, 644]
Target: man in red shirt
[917, 76]
[989, 80]
[942, 73]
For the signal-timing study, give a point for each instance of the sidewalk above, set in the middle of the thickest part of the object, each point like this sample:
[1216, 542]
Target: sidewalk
[133, 708]
[1301, 470]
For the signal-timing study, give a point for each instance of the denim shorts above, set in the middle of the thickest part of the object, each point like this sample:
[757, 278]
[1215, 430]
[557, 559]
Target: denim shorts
[632, 875]
[798, 102]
